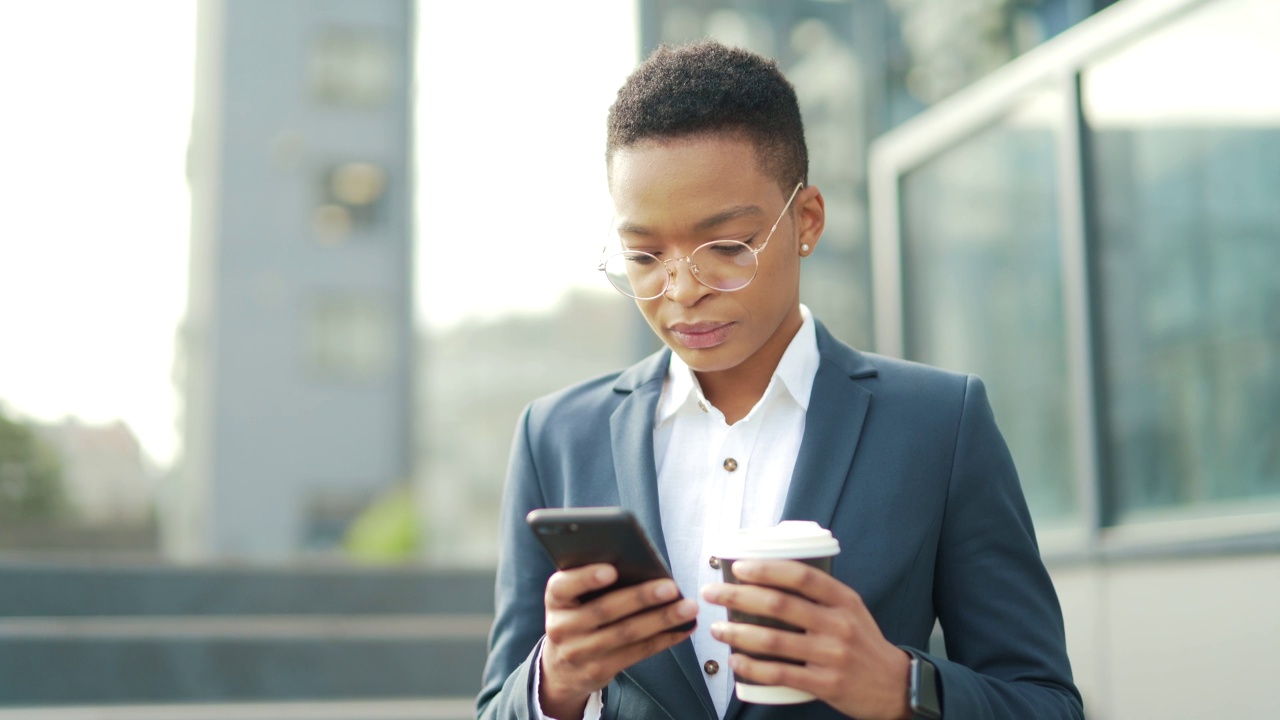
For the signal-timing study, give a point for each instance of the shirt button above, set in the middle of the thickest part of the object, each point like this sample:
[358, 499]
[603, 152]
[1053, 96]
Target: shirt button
[702, 406]
[714, 562]
[711, 667]
[730, 464]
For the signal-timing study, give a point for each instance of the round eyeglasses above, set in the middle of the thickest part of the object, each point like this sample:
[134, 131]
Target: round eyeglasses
[724, 265]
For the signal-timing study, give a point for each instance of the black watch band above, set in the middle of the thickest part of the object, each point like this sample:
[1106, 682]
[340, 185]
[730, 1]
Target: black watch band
[922, 688]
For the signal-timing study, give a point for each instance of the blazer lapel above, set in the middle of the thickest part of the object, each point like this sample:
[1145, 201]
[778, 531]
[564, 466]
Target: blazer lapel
[631, 435]
[837, 408]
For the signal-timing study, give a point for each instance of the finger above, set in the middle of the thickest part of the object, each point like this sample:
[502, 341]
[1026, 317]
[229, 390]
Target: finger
[798, 577]
[603, 653]
[644, 625]
[617, 604]
[760, 640]
[631, 614]
[565, 586]
[767, 672]
[628, 655]
[587, 618]
[769, 602]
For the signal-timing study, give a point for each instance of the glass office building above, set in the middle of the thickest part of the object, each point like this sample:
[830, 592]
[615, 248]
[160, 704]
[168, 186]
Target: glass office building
[1099, 236]
[1094, 229]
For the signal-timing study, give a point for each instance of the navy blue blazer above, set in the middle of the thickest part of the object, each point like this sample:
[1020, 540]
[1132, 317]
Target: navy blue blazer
[905, 465]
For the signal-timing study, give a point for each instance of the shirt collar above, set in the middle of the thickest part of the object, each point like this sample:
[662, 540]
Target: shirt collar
[795, 373]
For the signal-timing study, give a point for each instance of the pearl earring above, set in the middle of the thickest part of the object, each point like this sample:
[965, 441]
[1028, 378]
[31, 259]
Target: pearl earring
[804, 248]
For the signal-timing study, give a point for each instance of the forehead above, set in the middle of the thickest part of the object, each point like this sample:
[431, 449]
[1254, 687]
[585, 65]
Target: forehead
[666, 181]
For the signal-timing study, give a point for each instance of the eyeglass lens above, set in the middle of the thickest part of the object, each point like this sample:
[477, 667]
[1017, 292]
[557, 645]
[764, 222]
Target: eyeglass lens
[725, 265]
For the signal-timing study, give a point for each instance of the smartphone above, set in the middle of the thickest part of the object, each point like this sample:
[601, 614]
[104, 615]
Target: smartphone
[574, 537]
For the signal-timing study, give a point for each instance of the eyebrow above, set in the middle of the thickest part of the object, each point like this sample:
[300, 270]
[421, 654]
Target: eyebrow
[703, 225]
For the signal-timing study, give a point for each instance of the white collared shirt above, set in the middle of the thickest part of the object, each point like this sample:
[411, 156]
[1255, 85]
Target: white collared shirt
[714, 478]
[701, 498]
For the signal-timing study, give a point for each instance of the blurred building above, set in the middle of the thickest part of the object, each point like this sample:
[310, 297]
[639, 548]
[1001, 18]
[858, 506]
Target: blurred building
[105, 479]
[1094, 229]
[295, 359]
[477, 379]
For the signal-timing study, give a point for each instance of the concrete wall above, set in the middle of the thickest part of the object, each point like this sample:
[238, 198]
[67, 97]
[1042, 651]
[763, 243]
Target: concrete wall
[1178, 638]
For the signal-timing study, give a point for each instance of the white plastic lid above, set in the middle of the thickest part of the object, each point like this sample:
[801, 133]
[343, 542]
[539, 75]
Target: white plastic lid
[788, 539]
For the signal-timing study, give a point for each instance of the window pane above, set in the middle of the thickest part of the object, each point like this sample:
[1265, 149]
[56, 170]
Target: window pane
[983, 288]
[350, 336]
[350, 67]
[1186, 157]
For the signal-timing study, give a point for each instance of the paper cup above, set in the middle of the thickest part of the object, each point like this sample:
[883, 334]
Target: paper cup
[800, 540]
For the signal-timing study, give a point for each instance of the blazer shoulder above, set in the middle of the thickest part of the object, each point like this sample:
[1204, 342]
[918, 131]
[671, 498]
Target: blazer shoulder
[906, 380]
[892, 378]
[909, 370]
[583, 397]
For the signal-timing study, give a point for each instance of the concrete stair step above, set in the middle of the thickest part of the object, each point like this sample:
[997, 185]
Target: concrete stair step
[145, 636]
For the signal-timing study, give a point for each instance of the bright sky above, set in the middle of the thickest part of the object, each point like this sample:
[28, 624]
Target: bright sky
[95, 210]
[511, 149]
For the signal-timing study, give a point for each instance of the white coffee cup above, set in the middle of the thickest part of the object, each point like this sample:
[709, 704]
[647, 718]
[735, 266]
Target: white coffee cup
[802, 540]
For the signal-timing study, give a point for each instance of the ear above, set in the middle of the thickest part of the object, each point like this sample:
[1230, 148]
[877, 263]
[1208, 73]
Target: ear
[810, 218]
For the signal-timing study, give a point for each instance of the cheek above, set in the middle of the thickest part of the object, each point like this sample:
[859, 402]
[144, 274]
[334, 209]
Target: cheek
[772, 292]
[649, 309]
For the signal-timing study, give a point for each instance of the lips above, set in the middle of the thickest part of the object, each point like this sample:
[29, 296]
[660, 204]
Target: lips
[698, 336]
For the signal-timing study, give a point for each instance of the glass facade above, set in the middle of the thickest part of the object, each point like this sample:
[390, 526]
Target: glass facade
[1098, 236]
[1185, 157]
[983, 291]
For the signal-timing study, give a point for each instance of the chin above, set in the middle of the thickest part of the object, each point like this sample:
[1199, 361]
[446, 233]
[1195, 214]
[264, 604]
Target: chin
[709, 360]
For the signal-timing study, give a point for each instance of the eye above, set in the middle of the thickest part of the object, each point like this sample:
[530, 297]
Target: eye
[641, 259]
[729, 248]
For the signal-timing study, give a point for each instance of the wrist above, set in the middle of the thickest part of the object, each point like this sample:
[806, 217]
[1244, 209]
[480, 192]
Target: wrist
[901, 688]
[924, 694]
[557, 702]
[562, 707]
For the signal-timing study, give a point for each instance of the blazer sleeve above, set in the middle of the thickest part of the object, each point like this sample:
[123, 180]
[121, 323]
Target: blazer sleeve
[523, 569]
[1000, 616]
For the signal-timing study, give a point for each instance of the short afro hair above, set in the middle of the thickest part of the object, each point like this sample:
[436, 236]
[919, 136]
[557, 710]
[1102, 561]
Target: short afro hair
[705, 87]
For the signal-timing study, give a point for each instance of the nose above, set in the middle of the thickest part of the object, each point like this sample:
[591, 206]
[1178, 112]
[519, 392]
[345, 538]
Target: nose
[684, 287]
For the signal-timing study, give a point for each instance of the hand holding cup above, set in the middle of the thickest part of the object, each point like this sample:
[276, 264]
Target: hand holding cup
[802, 541]
[819, 642]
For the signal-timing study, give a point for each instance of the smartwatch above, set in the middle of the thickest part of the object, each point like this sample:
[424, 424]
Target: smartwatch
[922, 688]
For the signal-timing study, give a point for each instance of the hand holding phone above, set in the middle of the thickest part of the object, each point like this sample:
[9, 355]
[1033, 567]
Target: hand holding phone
[599, 625]
[574, 537]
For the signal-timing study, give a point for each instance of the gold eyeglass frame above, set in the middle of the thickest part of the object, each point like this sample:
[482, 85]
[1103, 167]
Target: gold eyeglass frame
[693, 269]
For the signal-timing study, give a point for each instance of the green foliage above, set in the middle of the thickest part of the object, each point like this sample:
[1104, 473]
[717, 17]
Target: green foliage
[30, 473]
[388, 531]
